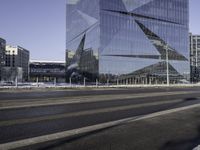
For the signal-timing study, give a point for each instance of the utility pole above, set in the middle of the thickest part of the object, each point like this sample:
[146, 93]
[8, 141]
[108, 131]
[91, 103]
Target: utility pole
[167, 62]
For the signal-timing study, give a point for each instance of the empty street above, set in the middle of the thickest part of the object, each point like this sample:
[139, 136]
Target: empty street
[31, 114]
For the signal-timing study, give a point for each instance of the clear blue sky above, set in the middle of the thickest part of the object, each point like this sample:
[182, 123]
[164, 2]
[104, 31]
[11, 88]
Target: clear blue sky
[39, 25]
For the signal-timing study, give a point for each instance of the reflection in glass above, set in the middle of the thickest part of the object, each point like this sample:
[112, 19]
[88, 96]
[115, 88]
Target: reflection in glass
[125, 41]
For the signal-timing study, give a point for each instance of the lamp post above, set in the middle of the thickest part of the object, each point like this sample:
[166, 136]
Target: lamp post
[37, 81]
[167, 62]
[96, 82]
[16, 81]
[55, 81]
[70, 81]
[84, 82]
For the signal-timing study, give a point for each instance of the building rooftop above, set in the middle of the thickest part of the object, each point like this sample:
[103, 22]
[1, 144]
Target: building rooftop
[46, 61]
[1, 39]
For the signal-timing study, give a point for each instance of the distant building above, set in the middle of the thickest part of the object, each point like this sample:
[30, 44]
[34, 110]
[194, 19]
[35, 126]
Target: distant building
[16, 66]
[2, 55]
[47, 71]
[195, 57]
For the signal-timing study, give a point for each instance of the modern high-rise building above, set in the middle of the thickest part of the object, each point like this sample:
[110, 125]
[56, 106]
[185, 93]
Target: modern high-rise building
[2, 54]
[195, 57]
[128, 41]
[17, 64]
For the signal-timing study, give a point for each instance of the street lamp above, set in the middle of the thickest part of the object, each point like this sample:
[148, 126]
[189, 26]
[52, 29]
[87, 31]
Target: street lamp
[167, 62]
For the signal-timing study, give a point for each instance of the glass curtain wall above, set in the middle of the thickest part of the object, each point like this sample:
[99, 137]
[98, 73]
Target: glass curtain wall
[128, 41]
[82, 38]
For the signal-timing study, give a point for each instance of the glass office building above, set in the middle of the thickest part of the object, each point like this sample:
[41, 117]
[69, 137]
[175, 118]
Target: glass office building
[127, 41]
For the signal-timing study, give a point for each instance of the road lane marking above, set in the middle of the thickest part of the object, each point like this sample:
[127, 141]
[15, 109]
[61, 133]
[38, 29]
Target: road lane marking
[60, 135]
[88, 129]
[197, 148]
[82, 99]
[83, 113]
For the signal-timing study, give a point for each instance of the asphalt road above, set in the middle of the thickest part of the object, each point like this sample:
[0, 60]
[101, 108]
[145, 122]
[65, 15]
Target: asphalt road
[67, 110]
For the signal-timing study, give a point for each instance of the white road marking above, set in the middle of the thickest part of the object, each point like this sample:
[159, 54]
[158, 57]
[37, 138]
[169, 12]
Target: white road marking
[197, 148]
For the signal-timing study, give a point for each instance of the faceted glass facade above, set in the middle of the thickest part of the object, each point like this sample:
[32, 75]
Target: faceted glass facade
[127, 41]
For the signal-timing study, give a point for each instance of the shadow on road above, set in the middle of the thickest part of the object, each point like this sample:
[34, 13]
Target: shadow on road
[191, 99]
[185, 144]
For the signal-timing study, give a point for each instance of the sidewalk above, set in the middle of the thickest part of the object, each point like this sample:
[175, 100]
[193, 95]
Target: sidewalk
[176, 131]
